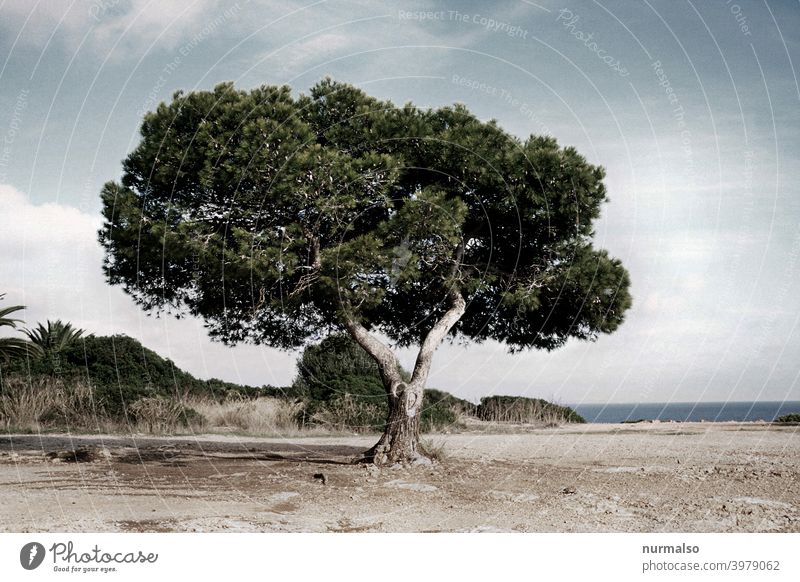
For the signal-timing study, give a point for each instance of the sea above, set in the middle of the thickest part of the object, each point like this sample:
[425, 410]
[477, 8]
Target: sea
[686, 411]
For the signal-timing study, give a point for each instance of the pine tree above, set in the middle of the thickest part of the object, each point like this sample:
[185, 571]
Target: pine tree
[280, 220]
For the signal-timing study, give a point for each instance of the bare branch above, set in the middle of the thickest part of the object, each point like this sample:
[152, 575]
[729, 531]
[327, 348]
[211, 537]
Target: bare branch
[439, 331]
[435, 336]
[387, 362]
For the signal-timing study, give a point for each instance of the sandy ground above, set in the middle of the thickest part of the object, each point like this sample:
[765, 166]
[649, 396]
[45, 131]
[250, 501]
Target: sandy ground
[701, 477]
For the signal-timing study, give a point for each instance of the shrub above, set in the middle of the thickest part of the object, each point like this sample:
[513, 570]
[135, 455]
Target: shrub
[157, 414]
[44, 402]
[348, 412]
[256, 416]
[442, 411]
[122, 371]
[438, 417]
[434, 450]
[525, 410]
[793, 417]
[337, 366]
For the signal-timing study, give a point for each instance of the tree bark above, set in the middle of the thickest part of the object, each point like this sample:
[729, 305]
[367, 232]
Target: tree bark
[399, 442]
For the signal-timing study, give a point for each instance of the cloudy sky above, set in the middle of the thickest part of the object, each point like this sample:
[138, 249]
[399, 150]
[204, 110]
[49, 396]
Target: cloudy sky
[692, 107]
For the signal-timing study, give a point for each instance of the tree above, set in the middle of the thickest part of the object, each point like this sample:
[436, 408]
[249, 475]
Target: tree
[11, 347]
[279, 220]
[50, 340]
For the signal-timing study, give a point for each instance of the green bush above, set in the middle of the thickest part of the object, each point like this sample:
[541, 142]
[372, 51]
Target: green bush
[123, 371]
[525, 410]
[441, 410]
[793, 417]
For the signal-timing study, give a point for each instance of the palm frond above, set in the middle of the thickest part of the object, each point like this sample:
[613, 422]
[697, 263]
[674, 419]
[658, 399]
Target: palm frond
[53, 337]
[8, 321]
[13, 347]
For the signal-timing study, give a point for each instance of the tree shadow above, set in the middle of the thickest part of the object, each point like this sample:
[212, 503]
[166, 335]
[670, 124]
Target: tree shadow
[135, 450]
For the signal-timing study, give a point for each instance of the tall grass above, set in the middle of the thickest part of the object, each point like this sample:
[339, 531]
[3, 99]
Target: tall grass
[257, 416]
[52, 403]
[159, 415]
[46, 402]
[348, 413]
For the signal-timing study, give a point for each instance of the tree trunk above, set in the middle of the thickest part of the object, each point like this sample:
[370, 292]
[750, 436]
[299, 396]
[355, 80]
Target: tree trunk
[400, 440]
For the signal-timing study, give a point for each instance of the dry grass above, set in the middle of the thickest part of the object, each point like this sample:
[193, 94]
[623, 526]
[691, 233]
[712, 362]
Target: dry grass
[49, 402]
[525, 411]
[262, 416]
[350, 414]
[157, 415]
[436, 450]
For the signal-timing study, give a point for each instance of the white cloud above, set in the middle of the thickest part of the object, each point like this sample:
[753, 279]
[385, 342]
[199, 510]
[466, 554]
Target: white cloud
[138, 23]
[51, 262]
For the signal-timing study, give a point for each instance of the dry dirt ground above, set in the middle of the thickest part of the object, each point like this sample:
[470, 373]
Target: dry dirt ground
[629, 478]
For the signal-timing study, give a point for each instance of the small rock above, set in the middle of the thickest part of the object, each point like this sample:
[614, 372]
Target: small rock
[569, 491]
[321, 477]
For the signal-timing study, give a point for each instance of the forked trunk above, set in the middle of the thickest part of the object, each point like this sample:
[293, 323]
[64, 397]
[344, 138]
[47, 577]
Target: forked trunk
[400, 440]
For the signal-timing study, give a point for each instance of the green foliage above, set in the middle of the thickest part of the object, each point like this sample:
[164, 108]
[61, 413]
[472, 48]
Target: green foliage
[272, 217]
[441, 410]
[122, 371]
[348, 412]
[342, 389]
[52, 339]
[793, 417]
[335, 367]
[525, 410]
[341, 386]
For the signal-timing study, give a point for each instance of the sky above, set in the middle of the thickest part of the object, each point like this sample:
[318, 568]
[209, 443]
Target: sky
[691, 107]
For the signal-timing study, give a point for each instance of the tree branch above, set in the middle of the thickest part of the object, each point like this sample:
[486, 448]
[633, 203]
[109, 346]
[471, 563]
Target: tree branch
[435, 336]
[439, 331]
[387, 362]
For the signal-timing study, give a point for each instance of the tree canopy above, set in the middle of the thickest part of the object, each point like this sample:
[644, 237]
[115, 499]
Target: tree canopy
[278, 219]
